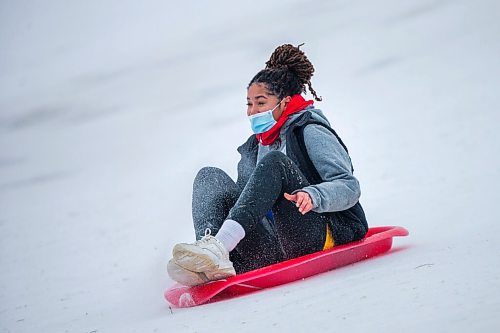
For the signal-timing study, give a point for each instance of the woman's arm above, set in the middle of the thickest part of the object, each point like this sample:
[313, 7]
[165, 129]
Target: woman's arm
[340, 189]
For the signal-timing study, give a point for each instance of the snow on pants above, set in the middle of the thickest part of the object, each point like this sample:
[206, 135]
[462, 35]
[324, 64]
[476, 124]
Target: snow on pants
[289, 234]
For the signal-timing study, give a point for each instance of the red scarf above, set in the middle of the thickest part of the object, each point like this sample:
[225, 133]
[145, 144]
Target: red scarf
[296, 104]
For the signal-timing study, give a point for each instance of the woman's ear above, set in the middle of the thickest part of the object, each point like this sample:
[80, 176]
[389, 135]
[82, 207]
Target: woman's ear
[286, 100]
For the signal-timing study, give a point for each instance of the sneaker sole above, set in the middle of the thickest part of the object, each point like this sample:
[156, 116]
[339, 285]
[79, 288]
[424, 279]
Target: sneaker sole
[220, 274]
[196, 259]
[190, 278]
[184, 276]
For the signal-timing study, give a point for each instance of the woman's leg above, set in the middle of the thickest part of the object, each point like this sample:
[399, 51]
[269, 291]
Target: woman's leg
[214, 193]
[297, 234]
[259, 248]
[274, 175]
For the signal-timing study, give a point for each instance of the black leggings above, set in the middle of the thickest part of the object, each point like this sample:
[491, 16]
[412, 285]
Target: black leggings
[216, 197]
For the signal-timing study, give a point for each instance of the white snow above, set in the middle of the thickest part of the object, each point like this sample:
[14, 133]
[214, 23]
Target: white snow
[108, 109]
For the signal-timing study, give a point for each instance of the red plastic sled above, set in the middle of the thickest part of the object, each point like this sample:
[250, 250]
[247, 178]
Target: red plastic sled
[377, 241]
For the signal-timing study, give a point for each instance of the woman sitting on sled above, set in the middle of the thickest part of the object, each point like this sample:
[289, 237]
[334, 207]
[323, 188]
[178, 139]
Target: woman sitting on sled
[295, 193]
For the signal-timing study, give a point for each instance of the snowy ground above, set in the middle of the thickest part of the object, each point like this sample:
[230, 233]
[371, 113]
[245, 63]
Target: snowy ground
[108, 109]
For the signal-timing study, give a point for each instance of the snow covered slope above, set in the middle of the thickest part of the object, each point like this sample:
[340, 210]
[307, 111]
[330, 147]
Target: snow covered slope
[108, 109]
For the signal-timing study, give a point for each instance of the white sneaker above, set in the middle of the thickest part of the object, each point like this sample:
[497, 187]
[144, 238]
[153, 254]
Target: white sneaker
[184, 276]
[207, 256]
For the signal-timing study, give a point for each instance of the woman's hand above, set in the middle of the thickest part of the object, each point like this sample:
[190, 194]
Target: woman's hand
[302, 201]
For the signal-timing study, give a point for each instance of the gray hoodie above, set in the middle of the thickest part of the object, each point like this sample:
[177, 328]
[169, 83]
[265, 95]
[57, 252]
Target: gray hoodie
[340, 189]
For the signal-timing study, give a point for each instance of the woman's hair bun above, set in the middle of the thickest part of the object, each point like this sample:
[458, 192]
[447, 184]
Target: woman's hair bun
[291, 58]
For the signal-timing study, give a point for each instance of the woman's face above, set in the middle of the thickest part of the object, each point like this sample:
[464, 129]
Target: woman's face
[259, 99]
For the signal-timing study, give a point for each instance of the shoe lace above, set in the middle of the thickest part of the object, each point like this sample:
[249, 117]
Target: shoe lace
[205, 238]
[209, 239]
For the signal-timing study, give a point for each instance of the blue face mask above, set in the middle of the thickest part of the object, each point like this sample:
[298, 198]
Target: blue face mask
[263, 121]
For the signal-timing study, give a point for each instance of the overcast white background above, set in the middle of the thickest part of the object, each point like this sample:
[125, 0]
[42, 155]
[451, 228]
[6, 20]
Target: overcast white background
[109, 108]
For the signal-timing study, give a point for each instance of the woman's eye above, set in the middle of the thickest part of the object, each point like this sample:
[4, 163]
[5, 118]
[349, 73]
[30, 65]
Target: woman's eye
[261, 104]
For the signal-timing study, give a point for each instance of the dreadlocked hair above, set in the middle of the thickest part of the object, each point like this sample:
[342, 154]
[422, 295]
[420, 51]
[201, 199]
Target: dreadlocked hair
[287, 72]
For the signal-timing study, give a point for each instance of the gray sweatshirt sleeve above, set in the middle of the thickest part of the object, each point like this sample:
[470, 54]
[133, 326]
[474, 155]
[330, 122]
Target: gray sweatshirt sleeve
[339, 189]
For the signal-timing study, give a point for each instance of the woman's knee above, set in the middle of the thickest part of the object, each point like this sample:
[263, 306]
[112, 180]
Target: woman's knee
[210, 177]
[211, 174]
[208, 173]
[274, 157]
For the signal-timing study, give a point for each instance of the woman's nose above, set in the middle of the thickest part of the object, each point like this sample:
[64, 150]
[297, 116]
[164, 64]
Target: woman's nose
[252, 110]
